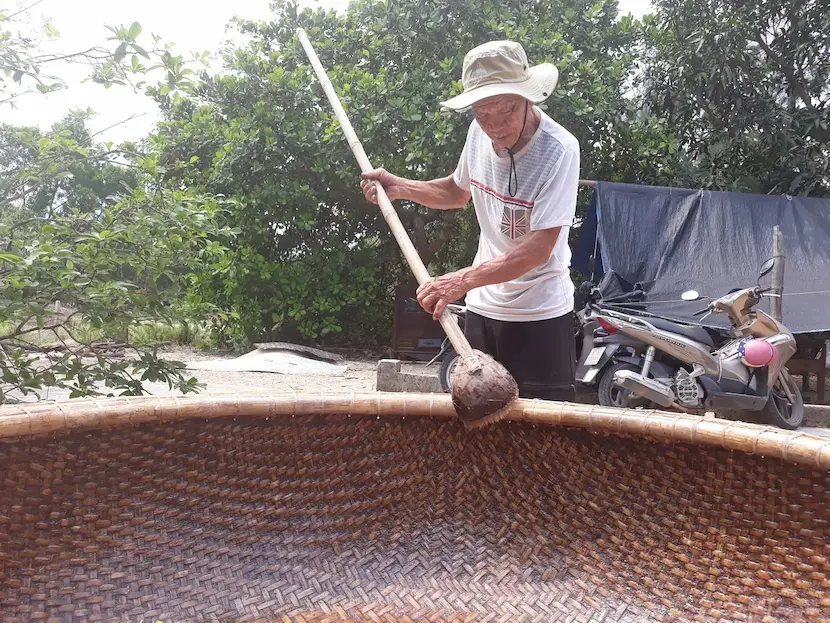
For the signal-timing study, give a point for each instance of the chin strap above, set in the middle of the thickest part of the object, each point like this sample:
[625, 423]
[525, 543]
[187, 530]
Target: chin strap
[513, 175]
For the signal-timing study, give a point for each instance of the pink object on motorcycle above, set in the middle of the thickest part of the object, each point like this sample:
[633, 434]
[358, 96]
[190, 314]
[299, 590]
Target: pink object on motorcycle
[759, 353]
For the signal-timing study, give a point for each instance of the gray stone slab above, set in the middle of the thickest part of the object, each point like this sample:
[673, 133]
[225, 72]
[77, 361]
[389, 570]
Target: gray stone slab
[391, 379]
[817, 415]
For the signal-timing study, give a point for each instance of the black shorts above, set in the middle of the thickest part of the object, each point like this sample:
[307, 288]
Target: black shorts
[540, 355]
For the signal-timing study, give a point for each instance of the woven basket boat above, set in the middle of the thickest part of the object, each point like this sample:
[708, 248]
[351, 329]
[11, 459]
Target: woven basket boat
[382, 507]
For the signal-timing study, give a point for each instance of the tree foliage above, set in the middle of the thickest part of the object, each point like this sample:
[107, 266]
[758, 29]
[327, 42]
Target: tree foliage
[125, 59]
[102, 239]
[745, 87]
[53, 173]
[315, 259]
[92, 244]
[272, 238]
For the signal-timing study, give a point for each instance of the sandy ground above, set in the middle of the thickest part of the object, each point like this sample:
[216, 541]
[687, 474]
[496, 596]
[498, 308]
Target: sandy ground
[360, 375]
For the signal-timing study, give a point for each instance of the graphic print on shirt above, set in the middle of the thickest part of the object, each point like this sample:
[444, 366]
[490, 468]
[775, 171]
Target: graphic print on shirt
[515, 221]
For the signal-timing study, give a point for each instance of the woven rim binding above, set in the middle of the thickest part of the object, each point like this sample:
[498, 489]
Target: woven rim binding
[23, 420]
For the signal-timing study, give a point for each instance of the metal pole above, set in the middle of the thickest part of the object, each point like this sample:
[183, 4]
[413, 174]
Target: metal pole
[776, 301]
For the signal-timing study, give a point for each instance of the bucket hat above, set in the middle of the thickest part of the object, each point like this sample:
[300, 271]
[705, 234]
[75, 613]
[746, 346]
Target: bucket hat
[501, 68]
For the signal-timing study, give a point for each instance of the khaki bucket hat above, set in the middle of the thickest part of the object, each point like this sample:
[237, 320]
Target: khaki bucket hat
[501, 68]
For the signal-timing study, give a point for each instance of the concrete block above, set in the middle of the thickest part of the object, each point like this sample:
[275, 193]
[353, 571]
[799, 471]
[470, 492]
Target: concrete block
[391, 379]
[817, 415]
[388, 375]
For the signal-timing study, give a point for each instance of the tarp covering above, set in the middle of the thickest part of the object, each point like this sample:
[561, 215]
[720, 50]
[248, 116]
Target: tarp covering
[673, 239]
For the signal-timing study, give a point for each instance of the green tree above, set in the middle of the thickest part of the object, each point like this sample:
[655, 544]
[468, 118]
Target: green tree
[50, 174]
[27, 68]
[745, 89]
[116, 251]
[92, 243]
[314, 259]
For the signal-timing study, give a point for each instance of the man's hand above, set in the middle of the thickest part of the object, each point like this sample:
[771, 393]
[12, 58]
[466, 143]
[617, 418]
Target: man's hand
[437, 293]
[534, 250]
[392, 184]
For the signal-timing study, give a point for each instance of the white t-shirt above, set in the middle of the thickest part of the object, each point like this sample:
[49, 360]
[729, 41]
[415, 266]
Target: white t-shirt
[548, 178]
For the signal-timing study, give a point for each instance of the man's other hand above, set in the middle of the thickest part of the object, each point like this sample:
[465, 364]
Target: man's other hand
[392, 184]
[437, 293]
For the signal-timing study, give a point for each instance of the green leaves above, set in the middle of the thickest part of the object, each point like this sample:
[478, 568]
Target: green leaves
[314, 261]
[120, 53]
[112, 255]
[24, 65]
[134, 32]
[139, 50]
[744, 88]
[11, 258]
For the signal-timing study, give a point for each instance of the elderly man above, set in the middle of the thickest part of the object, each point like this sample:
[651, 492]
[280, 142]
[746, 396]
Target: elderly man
[521, 169]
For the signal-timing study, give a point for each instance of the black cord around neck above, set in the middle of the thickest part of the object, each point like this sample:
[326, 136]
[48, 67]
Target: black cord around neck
[513, 174]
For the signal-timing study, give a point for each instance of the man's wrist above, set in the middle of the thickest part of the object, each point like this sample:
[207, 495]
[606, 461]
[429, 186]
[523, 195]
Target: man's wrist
[405, 189]
[471, 277]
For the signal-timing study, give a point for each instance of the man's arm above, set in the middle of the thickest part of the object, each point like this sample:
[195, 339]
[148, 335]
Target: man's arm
[554, 208]
[439, 194]
[533, 251]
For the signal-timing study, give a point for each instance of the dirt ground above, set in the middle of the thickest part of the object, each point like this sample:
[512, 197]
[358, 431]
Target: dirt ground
[360, 375]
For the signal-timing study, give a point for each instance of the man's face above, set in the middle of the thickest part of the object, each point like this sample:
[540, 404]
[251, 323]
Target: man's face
[501, 118]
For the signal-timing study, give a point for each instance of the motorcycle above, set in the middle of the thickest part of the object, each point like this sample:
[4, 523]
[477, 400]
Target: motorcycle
[682, 367]
[602, 353]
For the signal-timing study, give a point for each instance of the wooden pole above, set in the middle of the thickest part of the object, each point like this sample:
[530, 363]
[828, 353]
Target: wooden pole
[776, 301]
[448, 322]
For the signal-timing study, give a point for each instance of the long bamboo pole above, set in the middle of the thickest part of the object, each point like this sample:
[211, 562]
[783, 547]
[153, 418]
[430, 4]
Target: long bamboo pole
[448, 322]
[28, 420]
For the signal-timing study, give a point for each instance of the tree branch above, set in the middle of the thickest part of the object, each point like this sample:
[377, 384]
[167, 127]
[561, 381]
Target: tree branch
[31, 348]
[24, 9]
[11, 98]
[21, 331]
[127, 120]
[51, 58]
[52, 201]
[796, 84]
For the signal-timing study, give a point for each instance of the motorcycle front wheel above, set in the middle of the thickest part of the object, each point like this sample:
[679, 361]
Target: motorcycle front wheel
[780, 411]
[445, 372]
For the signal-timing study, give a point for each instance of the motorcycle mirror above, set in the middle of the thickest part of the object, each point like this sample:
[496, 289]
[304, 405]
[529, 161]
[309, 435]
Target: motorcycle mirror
[766, 267]
[690, 295]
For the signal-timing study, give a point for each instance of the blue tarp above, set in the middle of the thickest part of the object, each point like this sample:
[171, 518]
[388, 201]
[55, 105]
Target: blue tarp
[674, 239]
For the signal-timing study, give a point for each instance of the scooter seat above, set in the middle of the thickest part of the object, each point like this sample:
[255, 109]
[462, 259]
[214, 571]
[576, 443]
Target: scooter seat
[698, 334]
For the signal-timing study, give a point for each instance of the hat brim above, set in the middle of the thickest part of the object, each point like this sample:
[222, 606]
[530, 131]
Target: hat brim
[537, 88]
